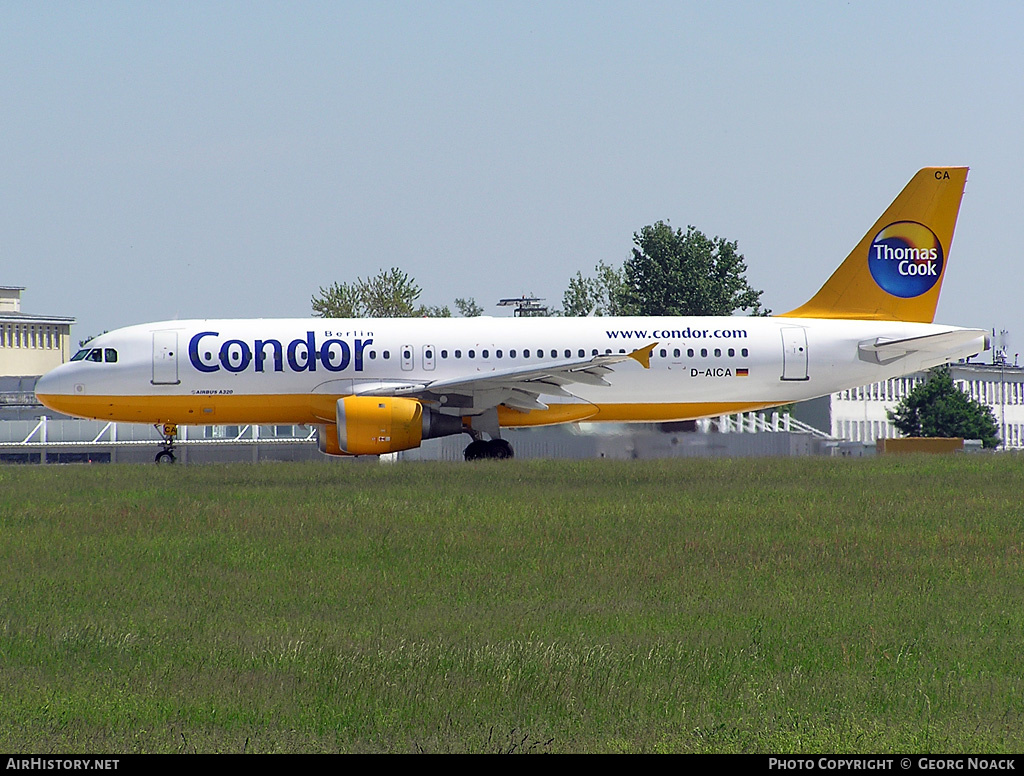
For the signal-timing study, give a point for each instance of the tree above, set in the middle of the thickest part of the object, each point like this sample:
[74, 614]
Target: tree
[672, 272]
[937, 408]
[468, 308]
[388, 294]
[598, 295]
[87, 340]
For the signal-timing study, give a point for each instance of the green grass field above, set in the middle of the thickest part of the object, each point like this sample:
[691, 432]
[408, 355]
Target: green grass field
[790, 605]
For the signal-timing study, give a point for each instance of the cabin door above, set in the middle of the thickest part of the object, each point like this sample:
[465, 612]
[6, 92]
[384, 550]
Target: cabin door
[165, 358]
[794, 353]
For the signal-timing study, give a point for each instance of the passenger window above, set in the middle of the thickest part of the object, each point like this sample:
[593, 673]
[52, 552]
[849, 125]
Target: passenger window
[471, 354]
[511, 354]
[110, 355]
[718, 352]
[373, 355]
[485, 354]
[526, 353]
[581, 353]
[458, 354]
[497, 354]
[689, 352]
[732, 352]
[703, 352]
[554, 354]
[444, 354]
[744, 353]
[387, 354]
[675, 353]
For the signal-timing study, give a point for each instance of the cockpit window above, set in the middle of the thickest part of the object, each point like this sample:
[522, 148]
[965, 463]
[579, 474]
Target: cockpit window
[97, 355]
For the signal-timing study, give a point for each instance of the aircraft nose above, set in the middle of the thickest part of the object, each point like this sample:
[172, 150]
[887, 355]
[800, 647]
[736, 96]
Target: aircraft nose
[50, 384]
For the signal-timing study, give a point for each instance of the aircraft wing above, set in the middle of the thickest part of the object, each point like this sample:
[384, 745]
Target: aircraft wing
[518, 387]
[885, 351]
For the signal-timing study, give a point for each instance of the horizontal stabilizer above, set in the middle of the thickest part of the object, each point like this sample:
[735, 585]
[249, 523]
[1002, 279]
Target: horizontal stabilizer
[952, 343]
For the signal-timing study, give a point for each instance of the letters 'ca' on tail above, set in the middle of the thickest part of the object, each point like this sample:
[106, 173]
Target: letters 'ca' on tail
[895, 272]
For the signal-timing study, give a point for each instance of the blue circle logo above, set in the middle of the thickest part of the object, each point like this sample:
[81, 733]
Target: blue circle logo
[905, 259]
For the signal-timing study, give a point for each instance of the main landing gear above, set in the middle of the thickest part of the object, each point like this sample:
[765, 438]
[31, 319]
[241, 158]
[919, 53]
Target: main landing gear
[166, 455]
[480, 449]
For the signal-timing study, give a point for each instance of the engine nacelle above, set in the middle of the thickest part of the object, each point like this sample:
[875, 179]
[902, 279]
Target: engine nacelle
[371, 425]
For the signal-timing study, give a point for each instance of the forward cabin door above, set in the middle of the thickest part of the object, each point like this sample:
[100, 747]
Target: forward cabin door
[794, 353]
[165, 358]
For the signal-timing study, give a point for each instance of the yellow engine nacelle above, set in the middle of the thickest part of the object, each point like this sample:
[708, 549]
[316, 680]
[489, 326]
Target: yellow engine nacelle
[370, 425]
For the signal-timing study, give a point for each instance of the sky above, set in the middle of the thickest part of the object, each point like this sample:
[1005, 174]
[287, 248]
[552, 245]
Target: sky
[205, 160]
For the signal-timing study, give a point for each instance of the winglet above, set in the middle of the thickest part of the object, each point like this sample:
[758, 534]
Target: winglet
[643, 355]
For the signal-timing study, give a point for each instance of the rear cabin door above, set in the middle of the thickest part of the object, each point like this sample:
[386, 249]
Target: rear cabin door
[794, 353]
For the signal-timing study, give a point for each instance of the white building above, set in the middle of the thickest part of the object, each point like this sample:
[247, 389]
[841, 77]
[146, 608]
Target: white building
[860, 414]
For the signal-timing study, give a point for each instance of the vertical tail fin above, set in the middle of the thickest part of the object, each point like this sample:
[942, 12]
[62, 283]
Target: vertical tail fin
[895, 272]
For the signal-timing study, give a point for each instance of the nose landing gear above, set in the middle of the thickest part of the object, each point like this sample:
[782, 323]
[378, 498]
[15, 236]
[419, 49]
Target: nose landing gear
[166, 454]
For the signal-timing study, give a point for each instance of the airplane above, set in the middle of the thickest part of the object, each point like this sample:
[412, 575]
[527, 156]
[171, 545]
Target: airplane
[377, 386]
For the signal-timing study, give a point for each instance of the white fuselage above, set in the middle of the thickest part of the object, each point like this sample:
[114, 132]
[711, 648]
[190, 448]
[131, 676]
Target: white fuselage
[292, 371]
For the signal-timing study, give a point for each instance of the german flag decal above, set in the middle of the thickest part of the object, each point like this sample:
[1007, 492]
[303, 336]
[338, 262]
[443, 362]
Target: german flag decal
[742, 372]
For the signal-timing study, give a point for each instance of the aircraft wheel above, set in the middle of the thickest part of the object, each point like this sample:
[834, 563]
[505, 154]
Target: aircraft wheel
[500, 449]
[165, 456]
[477, 450]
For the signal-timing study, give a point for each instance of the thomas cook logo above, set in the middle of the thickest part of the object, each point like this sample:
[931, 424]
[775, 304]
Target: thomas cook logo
[905, 259]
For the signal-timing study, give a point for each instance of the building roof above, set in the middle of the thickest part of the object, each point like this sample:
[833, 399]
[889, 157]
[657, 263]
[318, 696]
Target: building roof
[9, 316]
